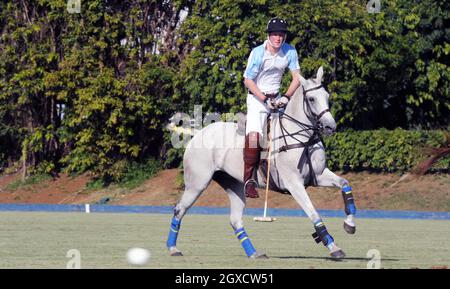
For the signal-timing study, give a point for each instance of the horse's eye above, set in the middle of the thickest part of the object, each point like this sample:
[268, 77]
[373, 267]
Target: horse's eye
[311, 99]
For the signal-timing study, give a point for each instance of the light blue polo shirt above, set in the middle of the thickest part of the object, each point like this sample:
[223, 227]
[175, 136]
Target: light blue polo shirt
[267, 69]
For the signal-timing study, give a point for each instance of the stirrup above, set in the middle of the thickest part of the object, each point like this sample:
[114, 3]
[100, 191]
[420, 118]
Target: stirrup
[251, 181]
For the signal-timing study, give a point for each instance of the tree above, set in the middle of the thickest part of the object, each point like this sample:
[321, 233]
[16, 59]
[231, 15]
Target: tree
[93, 91]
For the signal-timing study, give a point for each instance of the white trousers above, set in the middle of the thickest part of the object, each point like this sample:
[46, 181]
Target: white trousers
[257, 113]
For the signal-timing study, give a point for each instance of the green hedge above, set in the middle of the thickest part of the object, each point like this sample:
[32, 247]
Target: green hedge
[376, 150]
[382, 150]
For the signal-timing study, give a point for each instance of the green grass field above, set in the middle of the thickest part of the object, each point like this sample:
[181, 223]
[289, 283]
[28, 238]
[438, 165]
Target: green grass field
[42, 240]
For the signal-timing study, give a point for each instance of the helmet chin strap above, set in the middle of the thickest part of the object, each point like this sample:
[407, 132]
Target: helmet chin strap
[270, 42]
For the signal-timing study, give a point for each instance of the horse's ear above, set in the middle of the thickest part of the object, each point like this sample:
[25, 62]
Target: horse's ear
[301, 78]
[319, 75]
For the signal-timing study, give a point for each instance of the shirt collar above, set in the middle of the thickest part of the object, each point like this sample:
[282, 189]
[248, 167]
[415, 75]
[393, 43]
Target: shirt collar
[266, 42]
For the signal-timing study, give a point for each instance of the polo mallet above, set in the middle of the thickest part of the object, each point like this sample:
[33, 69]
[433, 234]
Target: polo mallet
[265, 218]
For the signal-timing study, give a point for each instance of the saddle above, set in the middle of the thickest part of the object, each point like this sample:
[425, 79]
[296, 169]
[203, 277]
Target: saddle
[262, 167]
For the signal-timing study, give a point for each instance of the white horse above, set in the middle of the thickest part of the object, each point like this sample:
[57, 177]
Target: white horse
[297, 158]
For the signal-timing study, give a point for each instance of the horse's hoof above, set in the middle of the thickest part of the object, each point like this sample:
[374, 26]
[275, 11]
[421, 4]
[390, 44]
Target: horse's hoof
[349, 229]
[258, 255]
[337, 255]
[175, 252]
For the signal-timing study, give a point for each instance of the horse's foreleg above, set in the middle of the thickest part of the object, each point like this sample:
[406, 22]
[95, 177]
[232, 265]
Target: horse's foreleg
[321, 234]
[330, 179]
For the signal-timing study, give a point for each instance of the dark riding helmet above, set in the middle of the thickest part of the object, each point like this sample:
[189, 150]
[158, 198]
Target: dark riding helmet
[277, 25]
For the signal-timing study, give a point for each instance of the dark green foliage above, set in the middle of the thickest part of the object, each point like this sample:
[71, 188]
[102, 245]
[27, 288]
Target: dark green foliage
[387, 69]
[375, 150]
[174, 158]
[34, 179]
[136, 173]
[382, 150]
[93, 91]
[129, 174]
[83, 91]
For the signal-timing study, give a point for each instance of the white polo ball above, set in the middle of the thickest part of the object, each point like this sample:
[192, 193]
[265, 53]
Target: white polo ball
[138, 256]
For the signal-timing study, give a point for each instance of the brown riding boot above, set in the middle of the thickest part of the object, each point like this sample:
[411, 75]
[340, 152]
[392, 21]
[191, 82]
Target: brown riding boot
[251, 161]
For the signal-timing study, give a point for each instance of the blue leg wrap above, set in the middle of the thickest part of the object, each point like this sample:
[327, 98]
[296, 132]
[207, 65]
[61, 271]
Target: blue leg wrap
[350, 207]
[322, 234]
[245, 241]
[173, 233]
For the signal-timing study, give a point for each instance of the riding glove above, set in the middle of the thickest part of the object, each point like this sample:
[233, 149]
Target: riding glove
[282, 102]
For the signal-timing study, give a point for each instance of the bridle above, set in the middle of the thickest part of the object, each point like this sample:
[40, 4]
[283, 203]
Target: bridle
[314, 131]
[318, 116]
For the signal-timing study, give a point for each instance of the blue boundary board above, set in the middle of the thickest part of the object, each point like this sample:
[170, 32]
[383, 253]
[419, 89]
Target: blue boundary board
[376, 214]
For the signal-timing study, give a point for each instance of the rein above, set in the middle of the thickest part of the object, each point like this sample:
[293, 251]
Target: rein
[314, 138]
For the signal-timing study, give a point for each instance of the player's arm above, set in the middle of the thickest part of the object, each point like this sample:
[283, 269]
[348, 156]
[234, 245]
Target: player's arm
[251, 85]
[295, 83]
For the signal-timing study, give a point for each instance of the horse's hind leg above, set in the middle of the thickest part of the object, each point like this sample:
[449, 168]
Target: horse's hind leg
[196, 180]
[236, 195]
[330, 179]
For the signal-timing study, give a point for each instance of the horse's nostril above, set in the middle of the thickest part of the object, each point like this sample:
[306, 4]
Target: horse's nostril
[329, 130]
